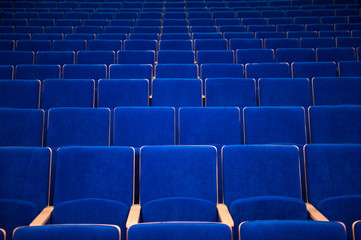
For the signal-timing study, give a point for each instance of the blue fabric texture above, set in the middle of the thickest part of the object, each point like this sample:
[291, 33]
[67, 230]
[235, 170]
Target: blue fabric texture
[136, 57]
[268, 70]
[335, 124]
[224, 70]
[178, 172]
[131, 71]
[91, 125]
[211, 125]
[10, 92]
[68, 232]
[84, 71]
[296, 230]
[21, 127]
[176, 71]
[313, 69]
[24, 185]
[96, 57]
[178, 231]
[40, 72]
[276, 125]
[176, 56]
[357, 230]
[291, 55]
[215, 56]
[6, 72]
[245, 56]
[139, 126]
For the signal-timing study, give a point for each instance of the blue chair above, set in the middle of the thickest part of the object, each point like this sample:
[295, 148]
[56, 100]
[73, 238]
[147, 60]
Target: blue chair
[336, 90]
[335, 34]
[19, 93]
[291, 55]
[69, 45]
[105, 45]
[336, 54]
[177, 92]
[55, 57]
[245, 43]
[248, 14]
[244, 56]
[290, 27]
[67, 22]
[16, 57]
[47, 36]
[298, 230]
[274, 125]
[210, 44]
[145, 36]
[126, 15]
[146, 29]
[140, 126]
[141, 45]
[284, 92]
[285, 21]
[67, 93]
[319, 27]
[201, 22]
[207, 35]
[267, 70]
[215, 56]
[232, 28]
[175, 29]
[333, 19]
[76, 15]
[123, 92]
[176, 44]
[356, 230]
[347, 26]
[21, 127]
[331, 181]
[136, 57]
[180, 230]
[84, 71]
[63, 231]
[41, 72]
[307, 20]
[118, 29]
[254, 21]
[318, 42]
[79, 36]
[176, 57]
[349, 68]
[261, 195]
[354, 42]
[302, 34]
[216, 70]
[15, 36]
[334, 124]
[275, 43]
[25, 185]
[222, 92]
[29, 29]
[131, 71]
[6, 72]
[111, 36]
[176, 71]
[261, 28]
[313, 69]
[86, 127]
[95, 57]
[263, 35]
[227, 21]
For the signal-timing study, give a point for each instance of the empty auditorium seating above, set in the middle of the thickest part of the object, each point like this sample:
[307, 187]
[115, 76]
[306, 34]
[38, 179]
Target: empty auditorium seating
[131, 71]
[300, 230]
[331, 172]
[275, 43]
[136, 57]
[55, 57]
[210, 44]
[336, 54]
[244, 56]
[140, 44]
[215, 70]
[267, 70]
[176, 57]
[349, 68]
[105, 44]
[69, 45]
[215, 56]
[16, 57]
[313, 69]
[240, 43]
[84, 71]
[24, 185]
[176, 71]
[7, 45]
[41, 72]
[20, 93]
[176, 44]
[6, 72]
[95, 57]
[291, 55]
[21, 127]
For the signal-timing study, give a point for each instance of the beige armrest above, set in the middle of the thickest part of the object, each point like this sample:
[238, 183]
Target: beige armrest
[43, 217]
[315, 214]
[224, 215]
[134, 215]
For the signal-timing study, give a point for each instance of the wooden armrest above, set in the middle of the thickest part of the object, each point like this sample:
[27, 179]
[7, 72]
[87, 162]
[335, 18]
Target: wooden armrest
[43, 217]
[315, 214]
[224, 215]
[134, 215]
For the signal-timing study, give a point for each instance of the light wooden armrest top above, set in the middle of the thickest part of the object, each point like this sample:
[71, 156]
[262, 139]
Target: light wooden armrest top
[134, 215]
[315, 214]
[224, 215]
[43, 217]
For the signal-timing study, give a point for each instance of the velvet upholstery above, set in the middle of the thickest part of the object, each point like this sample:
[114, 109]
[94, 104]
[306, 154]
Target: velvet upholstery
[284, 92]
[131, 71]
[33, 45]
[40, 72]
[332, 172]
[180, 179]
[2, 234]
[67, 93]
[336, 54]
[136, 57]
[96, 57]
[210, 44]
[240, 92]
[335, 124]
[24, 185]
[176, 71]
[79, 36]
[291, 55]
[10, 92]
[105, 44]
[267, 70]
[177, 231]
[245, 56]
[16, 57]
[245, 43]
[276, 43]
[141, 44]
[356, 230]
[318, 42]
[176, 44]
[336, 90]
[123, 92]
[296, 230]
[55, 57]
[86, 127]
[68, 232]
[7, 45]
[176, 57]
[94, 185]
[69, 45]
[21, 127]
[6, 72]
[84, 71]
[216, 70]
[349, 68]
[313, 69]
[177, 92]
[139, 126]
[215, 56]
[276, 125]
